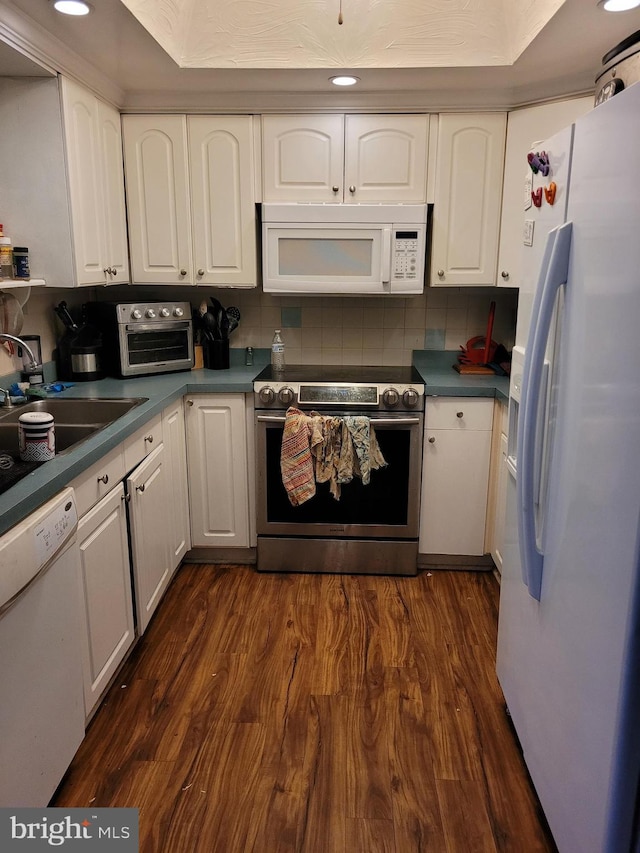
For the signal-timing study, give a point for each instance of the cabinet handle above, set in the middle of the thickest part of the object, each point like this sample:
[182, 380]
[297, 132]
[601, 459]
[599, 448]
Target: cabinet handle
[352, 189]
[440, 273]
[200, 271]
[149, 438]
[140, 488]
[504, 274]
[183, 272]
[336, 189]
[189, 402]
[432, 439]
[126, 498]
[104, 479]
[459, 414]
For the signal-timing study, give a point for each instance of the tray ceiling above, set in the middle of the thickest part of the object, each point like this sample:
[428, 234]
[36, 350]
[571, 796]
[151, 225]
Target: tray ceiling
[374, 33]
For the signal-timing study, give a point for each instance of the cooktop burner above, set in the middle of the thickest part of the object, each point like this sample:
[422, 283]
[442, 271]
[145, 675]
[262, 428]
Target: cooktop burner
[357, 374]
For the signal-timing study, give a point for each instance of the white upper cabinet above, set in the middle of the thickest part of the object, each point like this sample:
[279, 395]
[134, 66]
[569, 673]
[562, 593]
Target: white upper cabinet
[468, 192]
[157, 181]
[93, 144]
[524, 128]
[222, 200]
[190, 199]
[355, 159]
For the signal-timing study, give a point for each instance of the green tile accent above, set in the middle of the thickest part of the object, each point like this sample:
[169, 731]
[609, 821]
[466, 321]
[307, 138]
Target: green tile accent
[291, 318]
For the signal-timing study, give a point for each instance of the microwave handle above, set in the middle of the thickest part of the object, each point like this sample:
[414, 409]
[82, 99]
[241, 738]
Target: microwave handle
[385, 261]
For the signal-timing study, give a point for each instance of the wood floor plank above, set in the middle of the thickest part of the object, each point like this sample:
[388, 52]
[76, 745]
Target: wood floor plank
[274, 713]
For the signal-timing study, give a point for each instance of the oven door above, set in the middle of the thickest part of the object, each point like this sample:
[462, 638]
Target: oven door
[386, 508]
[155, 347]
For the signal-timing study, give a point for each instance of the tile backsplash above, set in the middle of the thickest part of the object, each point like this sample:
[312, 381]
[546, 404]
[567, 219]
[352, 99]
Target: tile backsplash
[316, 330]
[373, 330]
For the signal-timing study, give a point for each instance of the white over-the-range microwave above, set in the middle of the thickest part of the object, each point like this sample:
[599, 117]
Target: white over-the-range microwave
[358, 249]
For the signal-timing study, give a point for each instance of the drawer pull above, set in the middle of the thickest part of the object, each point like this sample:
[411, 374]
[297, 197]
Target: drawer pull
[149, 438]
[432, 439]
[459, 414]
[104, 479]
[140, 488]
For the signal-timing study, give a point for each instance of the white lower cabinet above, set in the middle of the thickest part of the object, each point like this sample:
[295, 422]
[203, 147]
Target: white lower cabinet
[148, 487]
[217, 466]
[175, 442]
[497, 503]
[105, 592]
[455, 475]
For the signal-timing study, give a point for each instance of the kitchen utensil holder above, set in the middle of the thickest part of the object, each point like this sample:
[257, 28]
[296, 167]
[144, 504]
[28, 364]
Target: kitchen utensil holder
[216, 354]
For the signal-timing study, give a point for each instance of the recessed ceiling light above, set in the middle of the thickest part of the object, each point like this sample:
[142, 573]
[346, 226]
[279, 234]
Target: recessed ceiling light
[72, 7]
[618, 5]
[346, 80]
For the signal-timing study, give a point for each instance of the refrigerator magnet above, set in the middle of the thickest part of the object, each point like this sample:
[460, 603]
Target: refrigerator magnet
[550, 192]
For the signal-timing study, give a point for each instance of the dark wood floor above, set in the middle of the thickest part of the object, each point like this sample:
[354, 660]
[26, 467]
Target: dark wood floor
[315, 713]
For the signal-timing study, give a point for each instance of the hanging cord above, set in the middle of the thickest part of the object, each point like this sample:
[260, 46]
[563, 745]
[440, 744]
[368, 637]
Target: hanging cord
[340, 19]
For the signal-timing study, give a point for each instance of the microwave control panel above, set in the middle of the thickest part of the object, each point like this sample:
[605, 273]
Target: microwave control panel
[405, 255]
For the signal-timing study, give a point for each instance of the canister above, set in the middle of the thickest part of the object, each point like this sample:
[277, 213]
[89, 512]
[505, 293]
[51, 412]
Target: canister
[36, 437]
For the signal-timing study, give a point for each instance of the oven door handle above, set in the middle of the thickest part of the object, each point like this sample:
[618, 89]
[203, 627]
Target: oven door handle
[280, 419]
[162, 326]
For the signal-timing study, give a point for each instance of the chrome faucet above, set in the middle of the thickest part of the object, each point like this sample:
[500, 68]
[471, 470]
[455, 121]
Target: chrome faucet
[5, 336]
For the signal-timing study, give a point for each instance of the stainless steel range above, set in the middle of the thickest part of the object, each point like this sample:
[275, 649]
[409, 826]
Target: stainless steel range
[371, 529]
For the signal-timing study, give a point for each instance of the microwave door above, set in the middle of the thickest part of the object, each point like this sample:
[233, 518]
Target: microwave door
[385, 260]
[319, 259]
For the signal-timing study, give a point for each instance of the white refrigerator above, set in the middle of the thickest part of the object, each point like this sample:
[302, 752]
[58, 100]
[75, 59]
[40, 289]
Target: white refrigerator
[569, 628]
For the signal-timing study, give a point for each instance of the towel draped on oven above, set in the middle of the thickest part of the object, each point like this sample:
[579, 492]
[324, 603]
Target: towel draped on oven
[323, 448]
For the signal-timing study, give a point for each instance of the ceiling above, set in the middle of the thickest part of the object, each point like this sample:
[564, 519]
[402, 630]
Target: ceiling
[274, 56]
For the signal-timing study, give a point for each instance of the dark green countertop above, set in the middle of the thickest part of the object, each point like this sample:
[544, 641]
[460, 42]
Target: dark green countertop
[441, 380]
[48, 479]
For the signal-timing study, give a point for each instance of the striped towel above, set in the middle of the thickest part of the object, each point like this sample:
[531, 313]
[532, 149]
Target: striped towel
[296, 462]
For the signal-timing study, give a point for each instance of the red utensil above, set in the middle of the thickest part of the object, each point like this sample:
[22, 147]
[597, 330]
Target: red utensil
[487, 346]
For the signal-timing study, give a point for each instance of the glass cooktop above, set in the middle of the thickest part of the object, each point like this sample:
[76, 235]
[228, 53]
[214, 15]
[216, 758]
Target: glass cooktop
[357, 374]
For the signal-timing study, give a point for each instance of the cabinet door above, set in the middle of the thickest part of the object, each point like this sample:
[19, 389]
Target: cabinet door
[386, 158]
[468, 191]
[302, 158]
[116, 252]
[147, 488]
[455, 476]
[217, 464]
[174, 440]
[157, 183]
[105, 593]
[222, 200]
[524, 127]
[83, 152]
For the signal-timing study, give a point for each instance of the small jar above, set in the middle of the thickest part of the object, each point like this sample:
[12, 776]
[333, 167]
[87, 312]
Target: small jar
[21, 262]
[248, 355]
[36, 437]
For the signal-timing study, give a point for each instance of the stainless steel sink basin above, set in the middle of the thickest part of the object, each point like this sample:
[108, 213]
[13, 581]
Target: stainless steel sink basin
[75, 420]
[97, 411]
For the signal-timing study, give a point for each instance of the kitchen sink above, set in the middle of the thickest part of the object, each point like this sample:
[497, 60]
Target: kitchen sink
[75, 420]
[96, 411]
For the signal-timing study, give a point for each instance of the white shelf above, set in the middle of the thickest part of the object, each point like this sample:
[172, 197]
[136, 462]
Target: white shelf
[13, 283]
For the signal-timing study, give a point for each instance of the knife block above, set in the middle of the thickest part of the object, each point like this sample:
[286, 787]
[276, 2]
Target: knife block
[215, 354]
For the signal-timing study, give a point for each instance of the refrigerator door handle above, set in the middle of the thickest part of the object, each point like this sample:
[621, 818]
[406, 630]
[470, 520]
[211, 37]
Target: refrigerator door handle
[553, 275]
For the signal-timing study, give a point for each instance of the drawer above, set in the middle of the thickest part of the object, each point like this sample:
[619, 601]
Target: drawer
[98, 480]
[465, 413]
[142, 442]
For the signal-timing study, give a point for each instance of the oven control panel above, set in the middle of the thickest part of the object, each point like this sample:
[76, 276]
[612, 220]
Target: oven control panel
[338, 395]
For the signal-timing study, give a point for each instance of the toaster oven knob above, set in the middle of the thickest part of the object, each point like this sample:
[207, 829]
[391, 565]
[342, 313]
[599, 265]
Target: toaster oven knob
[286, 395]
[136, 314]
[164, 312]
[150, 313]
[410, 398]
[390, 397]
[267, 395]
[178, 312]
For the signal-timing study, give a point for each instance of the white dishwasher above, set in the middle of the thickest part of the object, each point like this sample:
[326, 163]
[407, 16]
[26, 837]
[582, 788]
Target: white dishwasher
[41, 709]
